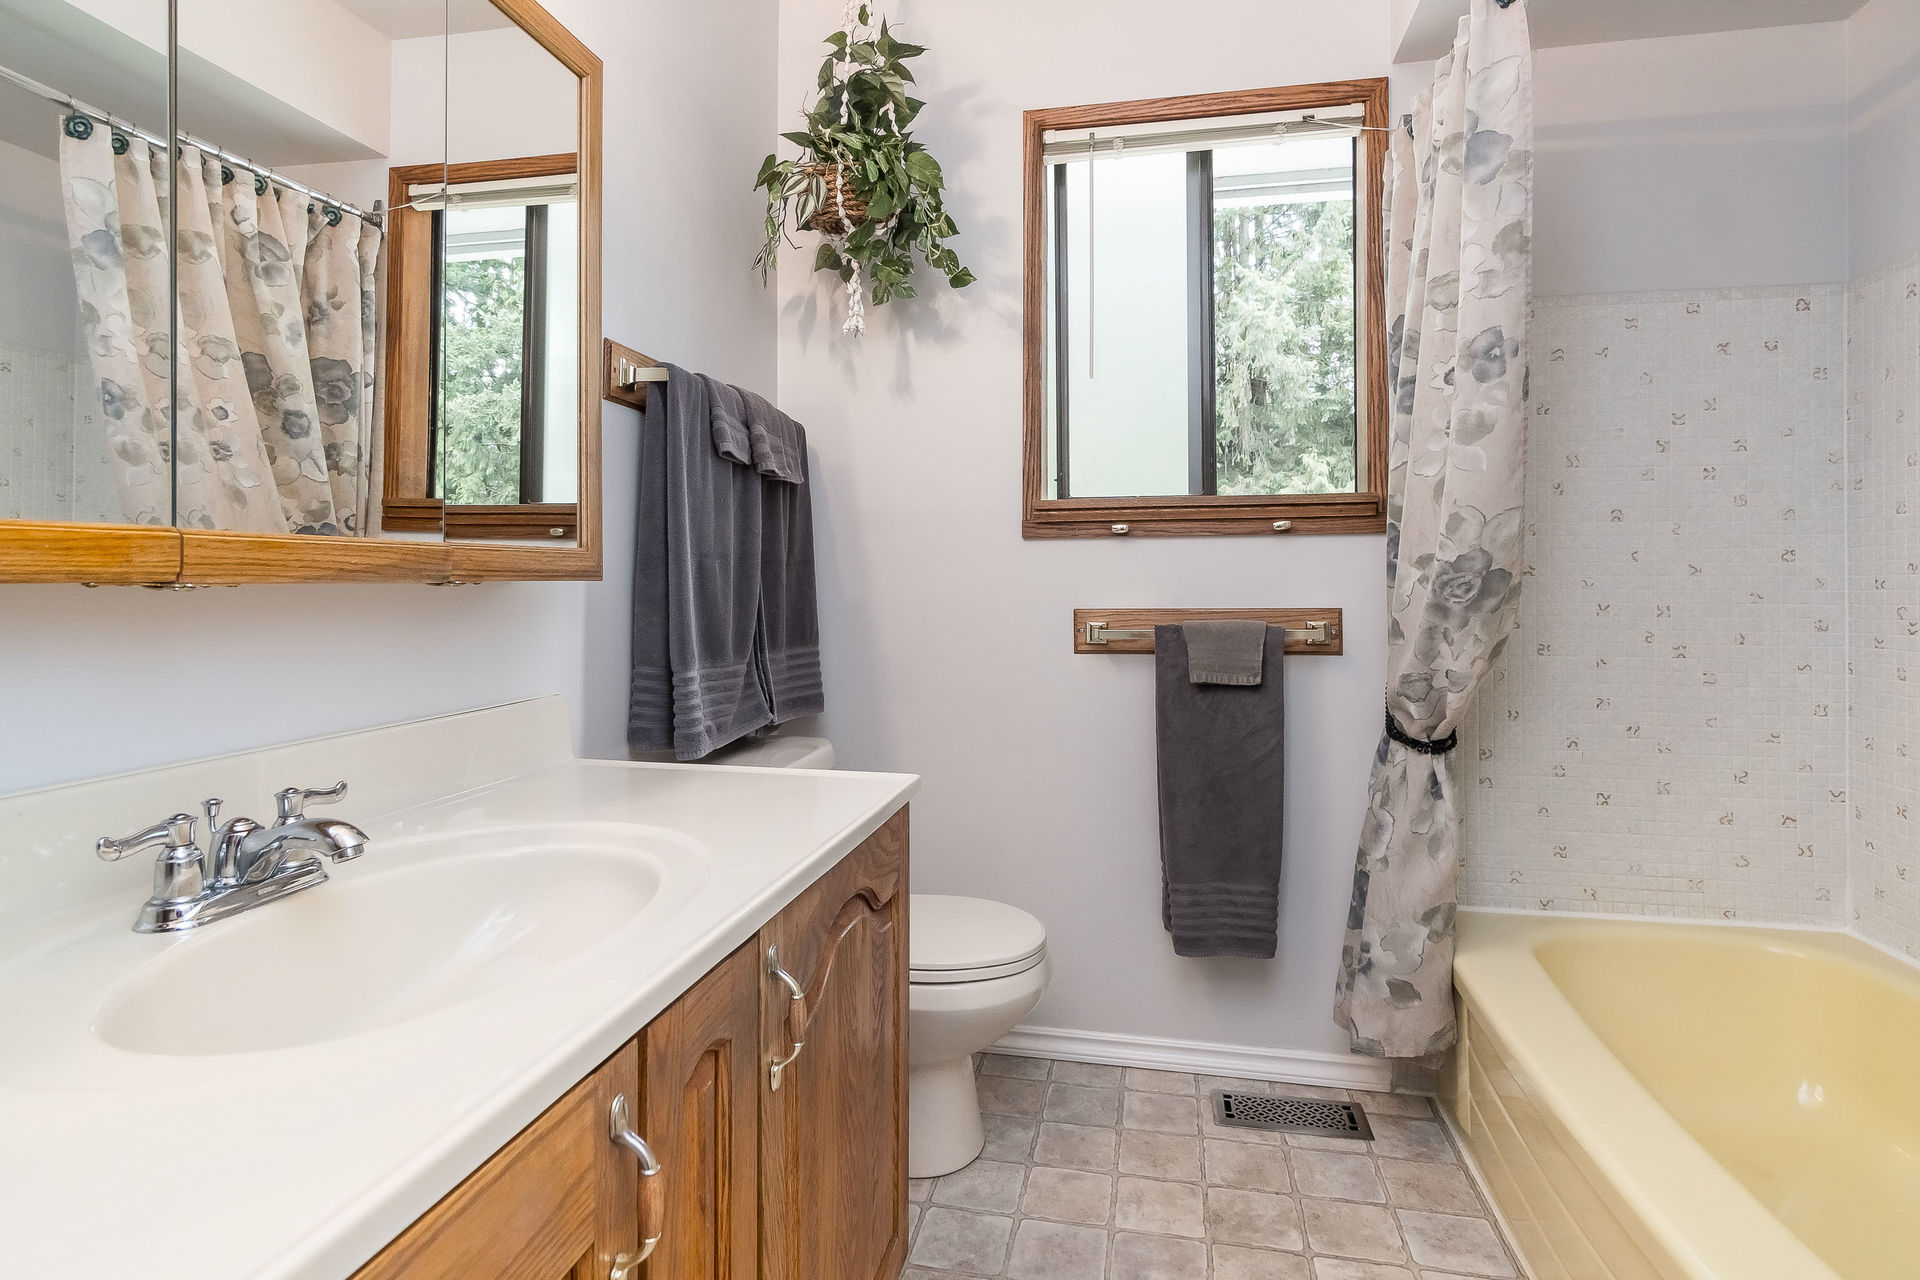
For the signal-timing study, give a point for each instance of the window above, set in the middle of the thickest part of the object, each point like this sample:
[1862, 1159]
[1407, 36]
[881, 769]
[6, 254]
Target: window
[1203, 281]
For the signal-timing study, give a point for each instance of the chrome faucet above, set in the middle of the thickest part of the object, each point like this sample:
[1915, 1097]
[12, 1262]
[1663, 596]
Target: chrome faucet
[249, 864]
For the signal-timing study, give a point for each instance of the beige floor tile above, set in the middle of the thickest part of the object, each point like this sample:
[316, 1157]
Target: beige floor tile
[1093, 1074]
[1455, 1243]
[1309, 1091]
[1161, 1113]
[1075, 1146]
[1349, 1230]
[1253, 1218]
[1233, 1262]
[1231, 1133]
[1244, 1164]
[955, 1240]
[991, 1185]
[1205, 1085]
[1404, 1139]
[1159, 1208]
[1157, 1258]
[1173, 1156]
[1415, 1105]
[1009, 1137]
[1437, 1188]
[1348, 1269]
[1005, 1064]
[1076, 1104]
[1004, 1096]
[1337, 1175]
[1159, 1081]
[1051, 1251]
[1068, 1195]
[913, 1217]
[920, 1190]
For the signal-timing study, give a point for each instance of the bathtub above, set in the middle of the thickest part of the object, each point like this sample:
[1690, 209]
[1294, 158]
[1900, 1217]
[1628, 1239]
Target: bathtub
[1690, 1102]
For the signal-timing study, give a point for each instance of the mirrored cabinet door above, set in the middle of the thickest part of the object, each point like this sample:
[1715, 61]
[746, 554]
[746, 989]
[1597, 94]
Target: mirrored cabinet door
[85, 328]
[291, 118]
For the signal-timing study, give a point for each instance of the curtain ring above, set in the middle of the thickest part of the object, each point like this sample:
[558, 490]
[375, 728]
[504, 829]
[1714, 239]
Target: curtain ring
[121, 143]
[333, 217]
[259, 184]
[78, 127]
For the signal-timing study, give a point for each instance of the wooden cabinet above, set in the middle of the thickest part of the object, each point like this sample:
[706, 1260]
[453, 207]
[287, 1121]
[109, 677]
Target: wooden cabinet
[556, 1203]
[803, 1181]
[700, 1089]
[833, 1135]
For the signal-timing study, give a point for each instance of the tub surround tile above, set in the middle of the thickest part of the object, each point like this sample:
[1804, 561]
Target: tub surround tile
[1062, 1200]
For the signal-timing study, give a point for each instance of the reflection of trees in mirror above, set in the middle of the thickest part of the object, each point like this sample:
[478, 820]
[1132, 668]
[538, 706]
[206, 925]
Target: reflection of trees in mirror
[481, 335]
[1284, 348]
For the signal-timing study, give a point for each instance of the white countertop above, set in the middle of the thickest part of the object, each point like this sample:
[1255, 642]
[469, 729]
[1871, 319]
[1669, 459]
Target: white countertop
[300, 1164]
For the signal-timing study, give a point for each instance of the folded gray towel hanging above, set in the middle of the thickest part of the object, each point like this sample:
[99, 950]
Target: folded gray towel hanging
[1225, 651]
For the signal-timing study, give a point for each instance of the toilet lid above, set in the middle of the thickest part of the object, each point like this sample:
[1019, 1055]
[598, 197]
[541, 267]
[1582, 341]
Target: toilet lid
[959, 939]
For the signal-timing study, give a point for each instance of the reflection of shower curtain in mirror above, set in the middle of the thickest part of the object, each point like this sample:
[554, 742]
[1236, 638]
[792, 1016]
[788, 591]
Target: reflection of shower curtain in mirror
[276, 343]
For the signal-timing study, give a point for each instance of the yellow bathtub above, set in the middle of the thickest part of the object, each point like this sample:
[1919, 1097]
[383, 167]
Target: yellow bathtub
[1691, 1102]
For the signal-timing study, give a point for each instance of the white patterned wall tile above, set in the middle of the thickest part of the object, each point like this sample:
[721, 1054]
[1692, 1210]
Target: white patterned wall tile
[54, 463]
[1883, 435]
[1665, 733]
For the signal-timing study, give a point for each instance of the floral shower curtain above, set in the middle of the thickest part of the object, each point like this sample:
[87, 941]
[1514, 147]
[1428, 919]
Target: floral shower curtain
[277, 326]
[1459, 222]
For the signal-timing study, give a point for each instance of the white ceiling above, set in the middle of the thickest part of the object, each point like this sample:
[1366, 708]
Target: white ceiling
[1423, 29]
[409, 19]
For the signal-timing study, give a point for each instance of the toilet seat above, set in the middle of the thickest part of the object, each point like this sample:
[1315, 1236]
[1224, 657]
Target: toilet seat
[955, 939]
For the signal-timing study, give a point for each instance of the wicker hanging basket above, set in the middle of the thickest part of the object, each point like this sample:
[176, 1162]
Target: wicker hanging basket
[841, 209]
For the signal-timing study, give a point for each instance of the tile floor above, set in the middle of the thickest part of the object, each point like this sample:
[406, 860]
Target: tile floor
[1099, 1173]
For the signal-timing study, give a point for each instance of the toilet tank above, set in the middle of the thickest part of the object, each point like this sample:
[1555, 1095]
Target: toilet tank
[778, 751]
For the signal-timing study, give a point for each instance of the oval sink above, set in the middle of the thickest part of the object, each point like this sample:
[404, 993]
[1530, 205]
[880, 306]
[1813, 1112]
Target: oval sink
[369, 951]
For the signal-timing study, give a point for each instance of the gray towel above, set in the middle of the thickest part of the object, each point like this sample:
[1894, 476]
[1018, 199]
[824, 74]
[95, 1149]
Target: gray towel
[1220, 764]
[731, 439]
[697, 682]
[1226, 652]
[789, 615]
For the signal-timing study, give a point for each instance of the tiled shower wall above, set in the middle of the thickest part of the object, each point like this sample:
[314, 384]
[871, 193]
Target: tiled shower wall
[1883, 541]
[1666, 733]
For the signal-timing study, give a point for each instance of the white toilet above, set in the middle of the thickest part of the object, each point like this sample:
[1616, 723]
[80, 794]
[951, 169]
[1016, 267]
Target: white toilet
[978, 968]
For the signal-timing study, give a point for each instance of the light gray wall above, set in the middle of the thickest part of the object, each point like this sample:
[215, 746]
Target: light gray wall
[1883, 73]
[948, 637]
[118, 678]
[1692, 162]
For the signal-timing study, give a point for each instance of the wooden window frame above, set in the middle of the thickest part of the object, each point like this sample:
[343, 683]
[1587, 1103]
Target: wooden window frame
[1204, 514]
[407, 504]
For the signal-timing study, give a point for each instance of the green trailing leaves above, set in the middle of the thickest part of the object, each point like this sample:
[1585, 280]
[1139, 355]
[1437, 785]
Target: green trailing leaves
[858, 126]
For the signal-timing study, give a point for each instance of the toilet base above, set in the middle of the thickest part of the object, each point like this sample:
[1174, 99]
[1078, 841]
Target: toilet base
[944, 1131]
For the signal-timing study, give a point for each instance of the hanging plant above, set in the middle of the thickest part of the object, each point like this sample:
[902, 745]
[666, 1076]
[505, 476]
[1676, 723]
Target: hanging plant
[861, 180]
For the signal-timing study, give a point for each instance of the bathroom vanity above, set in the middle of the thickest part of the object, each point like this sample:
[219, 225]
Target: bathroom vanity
[558, 1010]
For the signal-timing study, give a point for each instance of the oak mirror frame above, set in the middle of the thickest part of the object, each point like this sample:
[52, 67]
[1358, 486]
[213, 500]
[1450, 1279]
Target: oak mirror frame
[1198, 500]
[492, 545]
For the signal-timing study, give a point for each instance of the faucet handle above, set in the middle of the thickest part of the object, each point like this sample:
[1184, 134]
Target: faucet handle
[292, 803]
[175, 833]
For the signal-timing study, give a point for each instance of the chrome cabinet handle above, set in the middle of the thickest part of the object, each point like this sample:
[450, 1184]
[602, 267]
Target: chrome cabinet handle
[796, 1015]
[652, 1193]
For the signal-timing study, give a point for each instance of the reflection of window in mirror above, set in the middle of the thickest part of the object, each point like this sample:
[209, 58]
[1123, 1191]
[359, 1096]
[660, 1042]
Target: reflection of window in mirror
[495, 281]
[1203, 275]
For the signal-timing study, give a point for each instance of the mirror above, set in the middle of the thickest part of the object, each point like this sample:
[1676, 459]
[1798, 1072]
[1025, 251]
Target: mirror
[85, 329]
[1203, 270]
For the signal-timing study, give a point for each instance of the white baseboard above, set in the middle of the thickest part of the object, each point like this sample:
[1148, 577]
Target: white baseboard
[1295, 1066]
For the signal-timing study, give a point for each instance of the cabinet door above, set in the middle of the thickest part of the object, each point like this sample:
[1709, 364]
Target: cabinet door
[700, 1110]
[556, 1203]
[833, 1147]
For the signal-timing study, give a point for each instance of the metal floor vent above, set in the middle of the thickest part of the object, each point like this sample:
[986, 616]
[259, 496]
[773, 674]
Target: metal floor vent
[1291, 1115]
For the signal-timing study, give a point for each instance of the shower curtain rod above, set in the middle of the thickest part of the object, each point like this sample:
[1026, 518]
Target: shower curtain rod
[206, 148]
